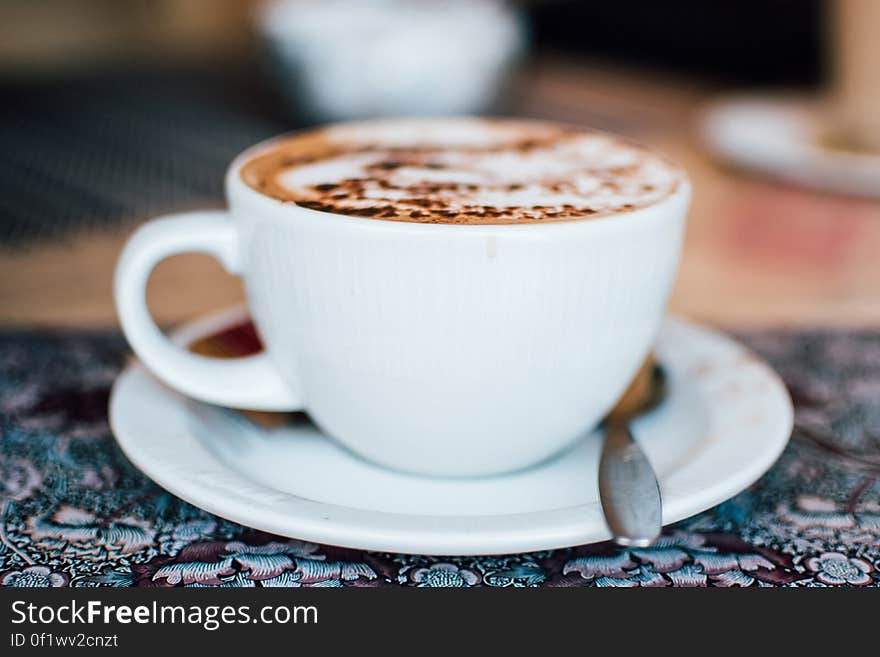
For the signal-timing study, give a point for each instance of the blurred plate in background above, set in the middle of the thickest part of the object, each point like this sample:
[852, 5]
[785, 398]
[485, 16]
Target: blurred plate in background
[790, 140]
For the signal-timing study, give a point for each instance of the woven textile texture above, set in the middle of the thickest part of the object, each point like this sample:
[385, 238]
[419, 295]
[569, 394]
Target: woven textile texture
[94, 150]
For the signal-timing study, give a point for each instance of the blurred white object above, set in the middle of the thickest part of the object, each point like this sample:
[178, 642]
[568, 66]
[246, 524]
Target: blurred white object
[788, 139]
[342, 59]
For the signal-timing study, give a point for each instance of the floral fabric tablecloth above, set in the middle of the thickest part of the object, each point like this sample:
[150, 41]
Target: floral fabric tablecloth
[74, 512]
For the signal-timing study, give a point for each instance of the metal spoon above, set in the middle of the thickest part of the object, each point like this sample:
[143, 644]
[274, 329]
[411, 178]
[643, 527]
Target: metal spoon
[628, 486]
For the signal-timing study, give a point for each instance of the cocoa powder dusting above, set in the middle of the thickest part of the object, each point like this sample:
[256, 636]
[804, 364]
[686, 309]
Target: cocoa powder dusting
[510, 172]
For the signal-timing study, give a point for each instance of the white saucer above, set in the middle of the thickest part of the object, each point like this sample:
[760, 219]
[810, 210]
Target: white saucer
[726, 420]
[782, 138]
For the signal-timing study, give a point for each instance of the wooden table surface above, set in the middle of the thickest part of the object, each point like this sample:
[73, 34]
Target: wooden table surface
[757, 254]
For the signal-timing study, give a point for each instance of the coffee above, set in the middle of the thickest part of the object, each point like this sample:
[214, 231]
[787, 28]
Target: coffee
[462, 171]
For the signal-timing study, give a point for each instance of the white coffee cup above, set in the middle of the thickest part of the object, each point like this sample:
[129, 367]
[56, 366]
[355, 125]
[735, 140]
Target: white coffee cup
[438, 349]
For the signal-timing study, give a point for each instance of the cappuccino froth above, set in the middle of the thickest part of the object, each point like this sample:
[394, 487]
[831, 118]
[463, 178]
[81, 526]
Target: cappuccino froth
[461, 171]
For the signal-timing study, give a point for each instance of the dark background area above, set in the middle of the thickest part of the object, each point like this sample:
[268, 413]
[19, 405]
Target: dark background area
[745, 41]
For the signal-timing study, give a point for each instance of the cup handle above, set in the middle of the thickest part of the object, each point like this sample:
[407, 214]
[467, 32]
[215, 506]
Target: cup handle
[251, 382]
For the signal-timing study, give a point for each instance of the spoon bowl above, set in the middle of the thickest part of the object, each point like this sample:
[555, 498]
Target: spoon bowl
[628, 487]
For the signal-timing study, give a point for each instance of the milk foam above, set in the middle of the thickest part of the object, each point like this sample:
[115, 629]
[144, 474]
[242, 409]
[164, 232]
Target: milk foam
[478, 171]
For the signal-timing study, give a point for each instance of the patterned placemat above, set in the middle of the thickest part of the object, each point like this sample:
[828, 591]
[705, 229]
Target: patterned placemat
[74, 512]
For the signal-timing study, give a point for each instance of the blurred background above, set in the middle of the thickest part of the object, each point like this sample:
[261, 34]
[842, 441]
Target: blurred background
[113, 111]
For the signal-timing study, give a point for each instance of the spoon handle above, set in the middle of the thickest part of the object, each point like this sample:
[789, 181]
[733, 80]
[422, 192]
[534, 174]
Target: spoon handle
[628, 488]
